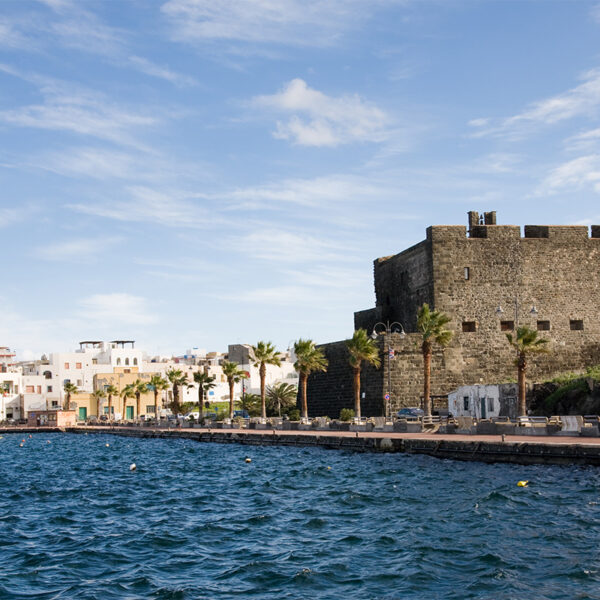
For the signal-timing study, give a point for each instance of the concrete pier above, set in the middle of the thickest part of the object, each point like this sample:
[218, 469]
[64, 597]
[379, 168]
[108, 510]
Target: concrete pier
[485, 448]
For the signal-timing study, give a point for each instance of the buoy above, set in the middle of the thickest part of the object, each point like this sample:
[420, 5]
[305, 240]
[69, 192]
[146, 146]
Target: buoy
[30, 436]
[132, 467]
[23, 440]
[47, 441]
[20, 445]
[248, 460]
[107, 445]
[522, 483]
[329, 468]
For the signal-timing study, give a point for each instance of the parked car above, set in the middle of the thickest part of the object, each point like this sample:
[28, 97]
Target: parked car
[410, 412]
[241, 413]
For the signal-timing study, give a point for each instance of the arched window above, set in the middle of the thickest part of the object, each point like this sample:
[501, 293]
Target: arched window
[126, 362]
[47, 374]
[135, 361]
[118, 361]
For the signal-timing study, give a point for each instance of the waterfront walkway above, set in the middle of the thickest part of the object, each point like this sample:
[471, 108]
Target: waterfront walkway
[521, 449]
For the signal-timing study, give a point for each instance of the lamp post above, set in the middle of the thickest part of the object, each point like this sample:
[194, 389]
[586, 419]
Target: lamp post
[387, 329]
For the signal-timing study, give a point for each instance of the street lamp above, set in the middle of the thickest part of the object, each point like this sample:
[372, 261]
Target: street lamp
[387, 329]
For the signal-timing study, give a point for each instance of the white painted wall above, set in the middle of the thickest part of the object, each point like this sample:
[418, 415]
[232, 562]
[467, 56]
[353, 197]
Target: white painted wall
[474, 394]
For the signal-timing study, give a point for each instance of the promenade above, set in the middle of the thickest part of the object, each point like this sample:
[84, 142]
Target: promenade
[520, 449]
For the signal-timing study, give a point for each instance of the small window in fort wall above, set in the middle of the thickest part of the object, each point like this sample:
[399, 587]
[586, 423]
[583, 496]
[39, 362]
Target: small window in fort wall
[469, 326]
[507, 325]
[576, 324]
[543, 325]
[467, 273]
[465, 402]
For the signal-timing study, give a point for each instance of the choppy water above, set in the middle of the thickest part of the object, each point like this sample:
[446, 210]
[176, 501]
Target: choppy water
[196, 521]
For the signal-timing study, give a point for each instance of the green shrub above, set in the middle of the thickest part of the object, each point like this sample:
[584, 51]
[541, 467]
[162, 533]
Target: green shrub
[346, 414]
[294, 414]
[574, 385]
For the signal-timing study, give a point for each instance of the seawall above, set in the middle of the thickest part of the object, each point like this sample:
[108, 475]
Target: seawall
[490, 449]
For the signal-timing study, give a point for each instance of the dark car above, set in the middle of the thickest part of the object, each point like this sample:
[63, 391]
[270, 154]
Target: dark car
[241, 413]
[410, 412]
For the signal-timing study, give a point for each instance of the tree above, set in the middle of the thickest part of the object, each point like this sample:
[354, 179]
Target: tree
[111, 390]
[263, 354]
[361, 348]
[127, 392]
[308, 359]
[281, 394]
[205, 383]
[431, 324]
[157, 384]
[98, 395]
[139, 388]
[251, 403]
[70, 388]
[234, 375]
[177, 379]
[526, 342]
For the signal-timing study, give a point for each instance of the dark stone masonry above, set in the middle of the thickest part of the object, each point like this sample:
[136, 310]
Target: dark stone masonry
[467, 273]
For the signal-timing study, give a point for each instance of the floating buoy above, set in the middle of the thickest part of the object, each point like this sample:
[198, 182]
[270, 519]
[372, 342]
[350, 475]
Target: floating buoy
[21, 445]
[248, 459]
[107, 445]
[47, 441]
[329, 468]
[23, 440]
[132, 467]
[30, 436]
[522, 483]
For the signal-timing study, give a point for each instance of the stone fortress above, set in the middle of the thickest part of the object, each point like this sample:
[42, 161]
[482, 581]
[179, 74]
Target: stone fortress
[468, 273]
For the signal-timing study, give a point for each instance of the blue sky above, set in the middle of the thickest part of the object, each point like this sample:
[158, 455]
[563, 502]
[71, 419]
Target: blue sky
[197, 173]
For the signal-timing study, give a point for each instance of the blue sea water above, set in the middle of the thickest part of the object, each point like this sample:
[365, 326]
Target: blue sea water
[196, 521]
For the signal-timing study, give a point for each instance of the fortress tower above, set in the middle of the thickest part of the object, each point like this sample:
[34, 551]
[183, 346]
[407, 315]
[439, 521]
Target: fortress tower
[468, 273]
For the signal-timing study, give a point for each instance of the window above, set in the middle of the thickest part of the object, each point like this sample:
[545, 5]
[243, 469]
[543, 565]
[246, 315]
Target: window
[47, 374]
[29, 389]
[150, 408]
[467, 273]
[543, 325]
[490, 404]
[39, 389]
[127, 362]
[576, 325]
[94, 361]
[78, 365]
[469, 326]
[118, 361]
[66, 365]
[507, 325]
[127, 370]
[49, 389]
[54, 403]
[135, 361]
[466, 402]
[79, 383]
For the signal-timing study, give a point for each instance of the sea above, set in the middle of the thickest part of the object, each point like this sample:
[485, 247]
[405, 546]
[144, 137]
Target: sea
[201, 521]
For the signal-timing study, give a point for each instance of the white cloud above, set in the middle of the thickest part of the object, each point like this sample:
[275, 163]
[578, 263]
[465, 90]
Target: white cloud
[576, 174]
[321, 120]
[583, 141]
[9, 216]
[151, 206]
[582, 100]
[295, 22]
[10, 37]
[150, 68]
[78, 250]
[117, 308]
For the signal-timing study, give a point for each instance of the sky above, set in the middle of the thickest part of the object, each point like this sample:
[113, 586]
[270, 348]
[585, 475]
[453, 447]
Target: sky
[192, 173]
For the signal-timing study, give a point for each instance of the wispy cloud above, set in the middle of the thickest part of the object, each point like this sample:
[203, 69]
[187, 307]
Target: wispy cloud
[146, 205]
[582, 172]
[117, 308]
[321, 120]
[289, 22]
[582, 100]
[78, 250]
[150, 68]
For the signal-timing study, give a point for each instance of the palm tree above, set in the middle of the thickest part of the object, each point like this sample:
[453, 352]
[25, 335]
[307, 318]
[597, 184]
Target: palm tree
[281, 394]
[205, 383]
[527, 342]
[140, 387]
[309, 358]
[127, 392]
[234, 375]
[263, 354]
[431, 324]
[361, 348]
[251, 404]
[157, 384]
[111, 390]
[98, 395]
[177, 379]
[70, 388]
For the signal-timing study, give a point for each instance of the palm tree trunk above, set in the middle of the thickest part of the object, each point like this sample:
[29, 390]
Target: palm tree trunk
[98, 407]
[303, 386]
[176, 399]
[231, 384]
[156, 403]
[357, 392]
[427, 382]
[137, 406]
[263, 404]
[200, 403]
[110, 407]
[522, 368]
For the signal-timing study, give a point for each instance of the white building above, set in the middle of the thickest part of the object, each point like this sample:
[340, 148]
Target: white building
[484, 401]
